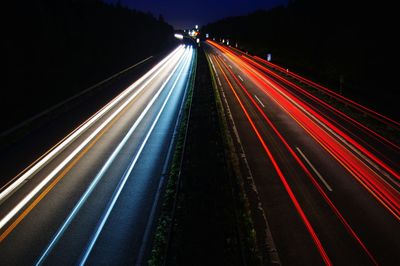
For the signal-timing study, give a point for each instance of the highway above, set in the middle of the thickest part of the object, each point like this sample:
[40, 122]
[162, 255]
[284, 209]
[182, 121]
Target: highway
[93, 197]
[329, 187]
[387, 149]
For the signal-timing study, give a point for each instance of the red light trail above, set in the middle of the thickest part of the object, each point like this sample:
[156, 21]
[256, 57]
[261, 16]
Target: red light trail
[326, 134]
[340, 113]
[364, 109]
[308, 173]
[282, 177]
[377, 115]
[357, 157]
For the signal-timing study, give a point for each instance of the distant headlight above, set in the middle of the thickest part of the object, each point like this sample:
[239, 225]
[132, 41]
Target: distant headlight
[178, 36]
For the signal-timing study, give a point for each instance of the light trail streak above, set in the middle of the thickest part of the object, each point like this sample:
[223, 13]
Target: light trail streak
[128, 171]
[377, 115]
[326, 105]
[339, 97]
[48, 156]
[331, 128]
[278, 170]
[373, 160]
[76, 151]
[349, 142]
[301, 164]
[370, 180]
[102, 171]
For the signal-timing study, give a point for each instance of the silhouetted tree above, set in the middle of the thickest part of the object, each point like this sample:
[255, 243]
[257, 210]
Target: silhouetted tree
[340, 43]
[53, 49]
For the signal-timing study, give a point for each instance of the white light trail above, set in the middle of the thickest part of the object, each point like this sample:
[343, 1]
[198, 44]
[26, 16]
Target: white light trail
[121, 185]
[102, 172]
[176, 55]
[77, 132]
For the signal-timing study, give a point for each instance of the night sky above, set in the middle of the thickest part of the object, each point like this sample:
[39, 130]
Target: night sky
[184, 14]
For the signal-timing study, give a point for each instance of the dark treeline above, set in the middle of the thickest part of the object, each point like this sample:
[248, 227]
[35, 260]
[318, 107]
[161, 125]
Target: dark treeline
[330, 41]
[54, 49]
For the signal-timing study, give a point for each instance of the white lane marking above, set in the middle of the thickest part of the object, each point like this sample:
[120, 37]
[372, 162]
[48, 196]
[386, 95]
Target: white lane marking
[259, 100]
[127, 173]
[230, 66]
[41, 163]
[101, 173]
[315, 170]
[219, 81]
[240, 78]
[72, 155]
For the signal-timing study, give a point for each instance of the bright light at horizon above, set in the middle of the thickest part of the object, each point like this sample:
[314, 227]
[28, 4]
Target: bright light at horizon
[178, 36]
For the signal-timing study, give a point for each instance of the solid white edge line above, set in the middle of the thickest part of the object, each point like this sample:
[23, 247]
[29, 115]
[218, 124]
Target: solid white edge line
[315, 170]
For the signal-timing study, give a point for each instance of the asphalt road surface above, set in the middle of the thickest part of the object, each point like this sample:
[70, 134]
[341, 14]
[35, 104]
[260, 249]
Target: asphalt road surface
[327, 198]
[93, 197]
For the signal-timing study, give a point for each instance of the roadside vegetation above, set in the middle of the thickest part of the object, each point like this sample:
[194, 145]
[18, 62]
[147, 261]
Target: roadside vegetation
[205, 217]
[341, 44]
[165, 224]
[56, 49]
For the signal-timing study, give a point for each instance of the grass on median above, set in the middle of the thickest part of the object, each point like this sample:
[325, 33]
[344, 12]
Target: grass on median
[243, 209]
[161, 238]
